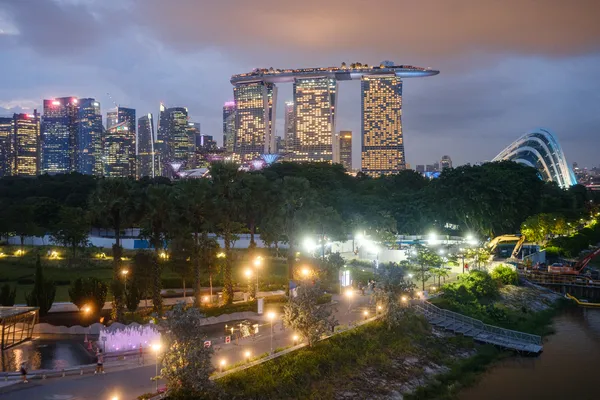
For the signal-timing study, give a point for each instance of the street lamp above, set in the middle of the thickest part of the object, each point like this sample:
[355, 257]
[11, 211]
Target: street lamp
[124, 272]
[295, 339]
[366, 314]
[247, 354]
[222, 364]
[305, 272]
[271, 317]
[257, 265]
[156, 347]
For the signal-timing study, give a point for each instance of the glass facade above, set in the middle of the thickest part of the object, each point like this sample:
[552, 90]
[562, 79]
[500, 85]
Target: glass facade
[178, 138]
[119, 153]
[6, 146]
[540, 149]
[382, 145]
[254, 119]
[345, 147]
[59, 135]
[146, 164]
[26, 144]
[88, 153]
[112, 118]
[314, 109]
[229, 126]
[289, 139]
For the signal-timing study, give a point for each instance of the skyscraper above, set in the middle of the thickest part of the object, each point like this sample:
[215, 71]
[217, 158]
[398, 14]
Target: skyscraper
[229, 126]
[112, 118]
[26, 144]
[446, 162]
[314, 111]
[88, 150]
[255, 128]
[146, 164]
[289, 138]
[178, 136]
[345, 149]
[59, 135]
[119, 151]
[6, 146]
[381, 139]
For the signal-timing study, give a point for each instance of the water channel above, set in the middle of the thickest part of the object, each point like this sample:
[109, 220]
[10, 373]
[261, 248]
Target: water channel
[567, 369]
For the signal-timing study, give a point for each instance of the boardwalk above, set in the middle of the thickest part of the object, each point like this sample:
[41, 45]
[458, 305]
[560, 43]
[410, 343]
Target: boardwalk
[479, 331]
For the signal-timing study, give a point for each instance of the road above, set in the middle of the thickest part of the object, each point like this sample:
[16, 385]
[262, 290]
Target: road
[127, 384]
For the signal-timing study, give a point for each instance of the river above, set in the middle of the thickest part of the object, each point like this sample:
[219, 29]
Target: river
[567, 369]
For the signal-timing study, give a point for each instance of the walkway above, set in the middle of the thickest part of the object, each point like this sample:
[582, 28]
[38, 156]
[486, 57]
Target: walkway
[479, 331]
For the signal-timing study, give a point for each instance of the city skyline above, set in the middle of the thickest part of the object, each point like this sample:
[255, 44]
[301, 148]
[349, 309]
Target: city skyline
[546, 73]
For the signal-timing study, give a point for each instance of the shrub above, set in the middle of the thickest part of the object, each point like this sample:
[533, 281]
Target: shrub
[43, 292]
[8, 295]
[505, 275]
[89, 291]
[324, 299]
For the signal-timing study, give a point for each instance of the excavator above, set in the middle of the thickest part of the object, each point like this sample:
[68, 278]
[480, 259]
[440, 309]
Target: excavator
[577, 268]
[520, 239]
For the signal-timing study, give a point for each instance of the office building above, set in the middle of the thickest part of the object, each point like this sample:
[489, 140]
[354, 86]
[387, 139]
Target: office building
[314, 111]
[112, 118]
[6, 146]
[146, 162]
[382, 142]
[59, 135]
[26, 144]
[173, 141]
[289, 126]
[254, 119]
[420, 168]
[119, 151]
[88, 143]
[345, 149]
[446, 162]
[229, 126]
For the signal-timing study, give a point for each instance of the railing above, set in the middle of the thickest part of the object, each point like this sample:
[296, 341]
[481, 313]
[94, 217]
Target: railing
[559, 279]
[429, 308]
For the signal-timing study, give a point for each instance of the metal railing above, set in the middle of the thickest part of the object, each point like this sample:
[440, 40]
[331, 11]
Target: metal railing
[509, 334]
[559, 279]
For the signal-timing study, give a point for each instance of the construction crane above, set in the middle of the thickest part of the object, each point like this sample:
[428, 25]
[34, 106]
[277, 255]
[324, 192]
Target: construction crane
[575, 269]
[493, 244]
[111, 99]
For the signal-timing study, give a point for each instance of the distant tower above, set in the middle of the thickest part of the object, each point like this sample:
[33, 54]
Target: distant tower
[6, 146]
[381, 140]
[119, 152]
[446, 162]
[146, 162]
[315, 102]
[229, 126]
[345, 149]
[289, 139]
[59, 135]
[27, 144]
[88, 152]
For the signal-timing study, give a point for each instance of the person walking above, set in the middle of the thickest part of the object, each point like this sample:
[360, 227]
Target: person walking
[141, 355]
[24, 372]
[99, 362]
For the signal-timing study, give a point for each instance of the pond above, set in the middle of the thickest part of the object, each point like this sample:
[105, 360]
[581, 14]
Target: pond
[46, 354]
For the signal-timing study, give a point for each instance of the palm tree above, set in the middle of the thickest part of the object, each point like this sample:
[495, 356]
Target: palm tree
[225, 189]
[155, 224]
[112, 205]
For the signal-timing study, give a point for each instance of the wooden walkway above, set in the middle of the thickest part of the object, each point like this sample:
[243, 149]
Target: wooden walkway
[458, 323]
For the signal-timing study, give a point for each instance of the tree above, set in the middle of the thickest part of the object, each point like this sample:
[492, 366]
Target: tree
[186, 363]
[303, 314]
[424, 258]
[23, 222]
[43, 292]
[90, 292]
[155, 227]
[391, 286]
[225, 185]
[254, 201]
[113, 205]
[7, 295]
[181, 248]
[140, 282]
[505, 275]
[71, 230]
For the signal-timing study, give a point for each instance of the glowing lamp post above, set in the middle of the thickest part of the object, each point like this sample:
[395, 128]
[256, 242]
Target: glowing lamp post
[349, 295]
[271, 317]
[366, 314]
[156, 348]
[247, 354]
[222, 365]
[295, 339]
[257, 265]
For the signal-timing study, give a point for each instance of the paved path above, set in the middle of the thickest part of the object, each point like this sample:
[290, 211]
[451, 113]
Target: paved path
[127, 384]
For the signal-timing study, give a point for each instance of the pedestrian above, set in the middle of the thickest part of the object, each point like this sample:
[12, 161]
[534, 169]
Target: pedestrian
[141, 355]
[99, 362]
[24, 372]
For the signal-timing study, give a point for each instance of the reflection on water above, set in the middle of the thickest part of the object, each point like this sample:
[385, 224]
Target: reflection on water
[46, 354]
[567, 369]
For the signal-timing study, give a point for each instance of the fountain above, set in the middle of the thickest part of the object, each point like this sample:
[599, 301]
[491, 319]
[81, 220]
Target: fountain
[118, 337]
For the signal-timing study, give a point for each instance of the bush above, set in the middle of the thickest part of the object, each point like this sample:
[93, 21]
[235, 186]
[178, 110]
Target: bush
[89, 292]
[43, 292]
[8, 295]
[324, 299]
[505, 275]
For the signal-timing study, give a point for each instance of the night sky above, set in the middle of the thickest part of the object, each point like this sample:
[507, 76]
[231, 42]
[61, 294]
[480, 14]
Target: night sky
[507, 66]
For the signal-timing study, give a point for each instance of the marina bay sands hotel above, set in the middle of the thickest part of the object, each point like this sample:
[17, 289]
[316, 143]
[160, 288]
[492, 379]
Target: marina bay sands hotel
[312, 117]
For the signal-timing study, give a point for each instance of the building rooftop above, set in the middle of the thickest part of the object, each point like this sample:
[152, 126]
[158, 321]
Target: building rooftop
[6, 312]
[343, 73]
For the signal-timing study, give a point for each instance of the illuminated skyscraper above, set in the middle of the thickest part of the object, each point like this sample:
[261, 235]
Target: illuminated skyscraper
[146, 163]
[27, 144]
[229, 126]
[446, 162]
[59, 135]
[6, 146]
[345, 149]
[314, 111]
[382, 142]
[88, 150]
[178, 137]
[119, 151]
[289, 138]
[254, 124]
[112, 118]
